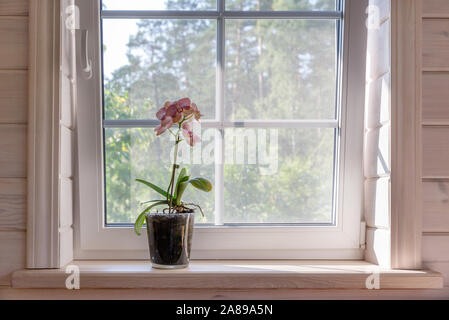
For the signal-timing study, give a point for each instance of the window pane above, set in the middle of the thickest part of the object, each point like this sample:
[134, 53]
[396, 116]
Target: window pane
[270, 5]
[147, 62]
[291, 185]
[137, 153]
[159, 4]
[280, 69]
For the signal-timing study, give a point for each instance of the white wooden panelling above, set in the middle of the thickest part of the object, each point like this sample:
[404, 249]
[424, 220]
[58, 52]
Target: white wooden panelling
[377, 160]
[12, 204]
[436, 7]
[406, 212]
[435, 96]
[436, 152]
[66, 203]
[377, 202]
[13, 151]
[65, 246]
[67, 96]
[441, 267]
[435, 247]
[436, 206]
[13, 7]
[436, 43]
[66, 151]
[378, 102]
[378, 51]
[13, 96]
[12, 254]
[13, 42]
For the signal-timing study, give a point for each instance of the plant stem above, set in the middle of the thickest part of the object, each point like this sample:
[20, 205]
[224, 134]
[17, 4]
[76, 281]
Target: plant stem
[172, 181]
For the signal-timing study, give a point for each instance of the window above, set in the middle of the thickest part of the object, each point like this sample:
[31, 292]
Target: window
[281, 140]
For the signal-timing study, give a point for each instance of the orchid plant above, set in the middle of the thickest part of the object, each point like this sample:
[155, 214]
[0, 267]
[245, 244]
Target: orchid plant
[181, 114]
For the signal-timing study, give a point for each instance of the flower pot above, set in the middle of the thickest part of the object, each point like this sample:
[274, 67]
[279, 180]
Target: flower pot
[170, 239]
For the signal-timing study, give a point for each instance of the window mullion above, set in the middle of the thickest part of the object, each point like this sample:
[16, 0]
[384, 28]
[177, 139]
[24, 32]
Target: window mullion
[219, 114]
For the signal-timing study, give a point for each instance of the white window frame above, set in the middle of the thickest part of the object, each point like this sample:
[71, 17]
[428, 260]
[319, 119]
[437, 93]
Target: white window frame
[343, 240]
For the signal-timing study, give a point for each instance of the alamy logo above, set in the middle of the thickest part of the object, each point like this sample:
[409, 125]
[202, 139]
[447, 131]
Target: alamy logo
[73, 280]
[373, 281]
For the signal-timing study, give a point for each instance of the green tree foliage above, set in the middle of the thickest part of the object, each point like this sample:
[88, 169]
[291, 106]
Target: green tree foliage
[275, 69]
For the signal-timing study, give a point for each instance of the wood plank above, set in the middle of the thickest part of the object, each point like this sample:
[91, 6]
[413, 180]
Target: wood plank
[436, 206]
[377, 202]
[435, 151]
[13, 96]
[12, 253]
[435, 7]
[441, 267]
[214, 294]
[435, 96]
[13, 42]
[435, 247]
[13, 7]
[435, 43]
[13, 144]
[13, 204]
[230, 275]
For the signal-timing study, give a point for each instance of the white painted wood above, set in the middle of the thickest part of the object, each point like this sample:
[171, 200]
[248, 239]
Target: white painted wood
[66, 203]
[441, 267]
[435, 43]
[13, 42]
[406, 212]
[435, 151]
[435, 96]
[435, 6]
[66, 152]
[12, 204]
[13, 7]
[377, 203]
[49, 143]
[13, 96]
[435, 247]
[230, 275]
[12, 253]
[436, 205]
[13, 150]
[384, 7]
[67, 101]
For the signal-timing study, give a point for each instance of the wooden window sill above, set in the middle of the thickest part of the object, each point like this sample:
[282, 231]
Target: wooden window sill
[229, 275]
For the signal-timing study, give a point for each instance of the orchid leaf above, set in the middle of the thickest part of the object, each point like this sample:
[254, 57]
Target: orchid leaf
[141, 218]
[154, 187]
[202, 184]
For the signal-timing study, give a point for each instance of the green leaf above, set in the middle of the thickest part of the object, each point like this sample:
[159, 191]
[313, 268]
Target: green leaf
[141, 218]
[202, 184]
[181, 188]
[182, 177]
[154, 187]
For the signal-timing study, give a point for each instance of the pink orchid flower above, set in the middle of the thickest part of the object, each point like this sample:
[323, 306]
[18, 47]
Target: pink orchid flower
[176, 112]
[187, 131]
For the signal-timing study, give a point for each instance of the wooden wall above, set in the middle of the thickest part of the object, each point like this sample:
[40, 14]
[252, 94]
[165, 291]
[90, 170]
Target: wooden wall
[435, 136]
[13, 135]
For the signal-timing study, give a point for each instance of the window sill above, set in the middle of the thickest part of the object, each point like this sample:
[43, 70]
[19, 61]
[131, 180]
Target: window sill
[229, 275]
